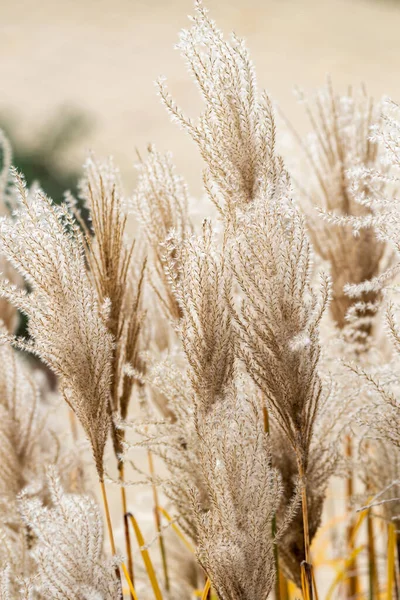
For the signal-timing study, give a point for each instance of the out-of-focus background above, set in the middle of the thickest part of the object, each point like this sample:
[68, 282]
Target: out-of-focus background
[78, 74]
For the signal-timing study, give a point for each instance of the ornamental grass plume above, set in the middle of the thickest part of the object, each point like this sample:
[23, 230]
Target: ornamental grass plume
[218, 340]
[28, 443]
[383, 219]
[116, 269]
[376, 189]
[66, 323]
[206, 337]
[235, 133]
[265, 241]
[160, 203]
[339, 144]
[69, 546]
[222, 481]
[235, 542]
[8, 312]
[279, 346]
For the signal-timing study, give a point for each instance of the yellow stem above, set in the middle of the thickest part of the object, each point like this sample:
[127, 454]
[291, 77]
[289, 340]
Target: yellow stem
[304, 507]
[158, 524]
[108, 517]
[314, 585]
[146, 558]
[126, 524]
[278, 595]
[206, 589]
[353, 584]
[373, 572]
[306, 581]
[109, 524]
[306, 566]
[130, 584]
[283, 586]
[391, 550]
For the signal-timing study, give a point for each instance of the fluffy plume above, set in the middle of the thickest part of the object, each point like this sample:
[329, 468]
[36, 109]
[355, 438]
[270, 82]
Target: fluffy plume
[382, 184]
[26, 442]
[252, 410]
[118, 280]
[8, 312]
[206, 336]
[235, 544]
[66, 323]
[236, 132]
[206, 331]
[160, 202]
[339, 145]
[68, 549]
[279, 314]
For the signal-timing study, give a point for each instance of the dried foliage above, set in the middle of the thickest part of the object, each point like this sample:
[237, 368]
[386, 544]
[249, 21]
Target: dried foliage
[339, 143]
[118, 280]
[235, 544]
[66, 323]
[239, 391]
[70, 522]
[236, 132]
[160, 202]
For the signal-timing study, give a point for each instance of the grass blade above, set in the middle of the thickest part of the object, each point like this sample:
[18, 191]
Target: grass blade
[146, 558]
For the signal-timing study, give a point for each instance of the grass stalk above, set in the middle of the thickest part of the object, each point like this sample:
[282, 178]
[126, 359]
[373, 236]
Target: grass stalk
[283, 586]
[306, 567]
[304, 507]
[398, 562]
[278, 595]
[391, 559]
[314, 584]
[121, 475]
[352, 567]
[146, 557]
[372, 566]
[130, 584]
[206, 590]
[276, 551]
[307, 581]
[108, 517]
[109, 524]
[158, 523]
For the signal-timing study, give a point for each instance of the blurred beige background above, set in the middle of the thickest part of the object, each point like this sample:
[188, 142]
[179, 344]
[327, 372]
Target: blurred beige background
[103, 57]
